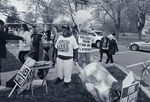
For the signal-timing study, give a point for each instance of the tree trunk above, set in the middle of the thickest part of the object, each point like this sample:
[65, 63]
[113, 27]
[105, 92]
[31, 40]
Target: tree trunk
[141, 24]
[117, 29]
[118, 23]
[140, 34]
[117, 33]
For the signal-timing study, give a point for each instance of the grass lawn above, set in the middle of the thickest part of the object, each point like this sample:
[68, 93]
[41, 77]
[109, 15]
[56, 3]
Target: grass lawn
[57, 93]
[10, 63]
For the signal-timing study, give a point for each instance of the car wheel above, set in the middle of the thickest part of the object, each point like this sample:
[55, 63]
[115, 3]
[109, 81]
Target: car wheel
[134, 47]
[97, 44]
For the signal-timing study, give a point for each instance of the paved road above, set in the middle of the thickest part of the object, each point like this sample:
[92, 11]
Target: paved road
[132, 60]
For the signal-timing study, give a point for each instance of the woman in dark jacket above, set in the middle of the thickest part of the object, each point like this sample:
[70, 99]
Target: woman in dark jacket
[113, 48]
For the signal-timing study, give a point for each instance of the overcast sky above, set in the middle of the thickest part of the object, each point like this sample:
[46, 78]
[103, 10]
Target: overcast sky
[19, 5]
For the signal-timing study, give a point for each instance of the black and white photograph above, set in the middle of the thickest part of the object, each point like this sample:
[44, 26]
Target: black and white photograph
[74, 50]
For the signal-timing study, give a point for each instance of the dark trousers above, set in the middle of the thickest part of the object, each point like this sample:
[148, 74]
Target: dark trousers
[110, 58]
[54, 55]
[43, 72]
[22, 55]
[101, 53]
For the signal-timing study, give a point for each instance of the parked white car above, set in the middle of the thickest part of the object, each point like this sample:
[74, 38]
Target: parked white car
[97, 36]
[141, 45]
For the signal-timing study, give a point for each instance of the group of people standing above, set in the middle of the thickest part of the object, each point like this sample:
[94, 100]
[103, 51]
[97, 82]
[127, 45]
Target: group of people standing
[65, 45]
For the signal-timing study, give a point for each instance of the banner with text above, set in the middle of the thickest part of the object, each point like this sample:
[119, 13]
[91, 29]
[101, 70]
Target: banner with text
[129, 94]
[22, 75]
[85, 43]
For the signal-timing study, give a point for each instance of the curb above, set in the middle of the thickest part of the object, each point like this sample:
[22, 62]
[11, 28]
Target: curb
[146, 90]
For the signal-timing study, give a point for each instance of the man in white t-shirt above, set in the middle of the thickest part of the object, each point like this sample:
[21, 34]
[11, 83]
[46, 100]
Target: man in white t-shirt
[66, 44]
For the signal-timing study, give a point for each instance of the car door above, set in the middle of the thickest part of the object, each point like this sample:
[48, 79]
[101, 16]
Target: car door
[93, 37]
[146, 46]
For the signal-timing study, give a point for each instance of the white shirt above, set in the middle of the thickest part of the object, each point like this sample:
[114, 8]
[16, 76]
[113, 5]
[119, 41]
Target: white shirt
[25, 45]
[65, 45]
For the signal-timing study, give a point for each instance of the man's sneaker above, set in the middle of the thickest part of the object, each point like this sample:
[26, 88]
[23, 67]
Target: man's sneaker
[58, 81]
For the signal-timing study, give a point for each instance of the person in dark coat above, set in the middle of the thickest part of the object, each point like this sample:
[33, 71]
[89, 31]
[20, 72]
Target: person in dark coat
[56, 35]
[104, 46]
[3, 37]
[48, 34]
[113, 48]
[35, 47]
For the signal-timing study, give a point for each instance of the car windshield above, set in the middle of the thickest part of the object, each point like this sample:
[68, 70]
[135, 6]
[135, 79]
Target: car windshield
[92, 34]
[99, 33]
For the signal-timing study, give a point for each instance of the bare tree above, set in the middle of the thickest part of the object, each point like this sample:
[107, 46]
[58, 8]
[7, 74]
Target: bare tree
[140, 8]
[113, 9]
[4, 6]
[50, 9]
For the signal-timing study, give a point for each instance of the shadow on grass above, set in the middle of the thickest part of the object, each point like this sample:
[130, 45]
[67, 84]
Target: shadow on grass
[10, 63]
[56, 93]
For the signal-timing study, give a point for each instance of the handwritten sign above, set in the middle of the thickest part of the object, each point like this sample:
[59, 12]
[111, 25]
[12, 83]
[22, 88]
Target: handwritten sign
[85, 43]
[22, 75]
[129, 94]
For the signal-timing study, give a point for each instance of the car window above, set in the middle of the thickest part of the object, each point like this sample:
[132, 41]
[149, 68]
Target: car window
[147, 41]
[99, 33]
[92, 34]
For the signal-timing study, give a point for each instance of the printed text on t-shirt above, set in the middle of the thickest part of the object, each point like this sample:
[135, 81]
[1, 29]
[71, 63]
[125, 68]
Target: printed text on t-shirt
[63, 45]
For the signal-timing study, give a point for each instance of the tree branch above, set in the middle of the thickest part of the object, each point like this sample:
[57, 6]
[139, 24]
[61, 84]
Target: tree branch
[99, 4]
